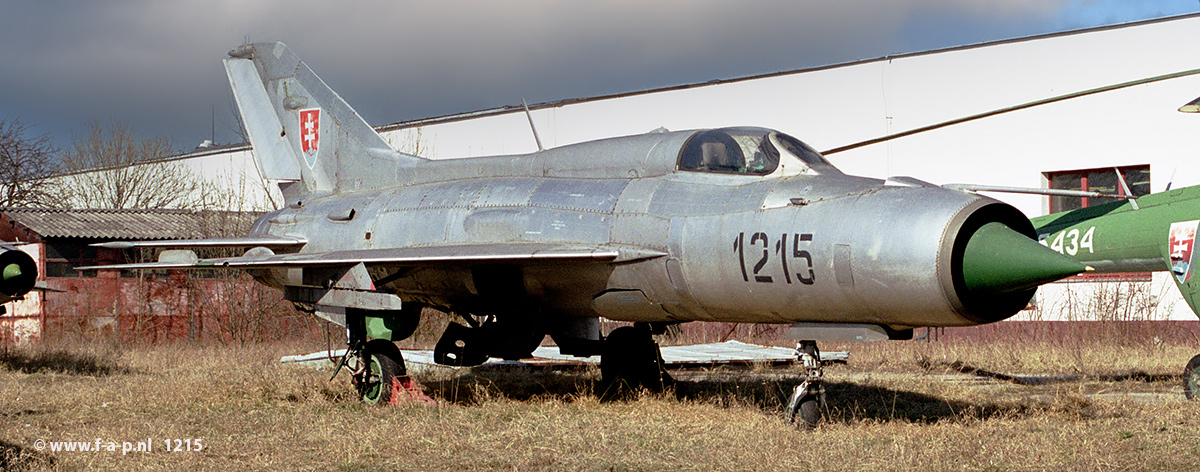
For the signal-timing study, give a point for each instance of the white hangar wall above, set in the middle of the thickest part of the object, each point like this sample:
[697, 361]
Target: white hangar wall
[838, 105]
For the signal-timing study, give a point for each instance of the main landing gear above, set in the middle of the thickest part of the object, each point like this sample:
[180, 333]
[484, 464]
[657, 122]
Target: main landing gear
[631, 360]
[379, 366]
[808, 399]
[376, 366]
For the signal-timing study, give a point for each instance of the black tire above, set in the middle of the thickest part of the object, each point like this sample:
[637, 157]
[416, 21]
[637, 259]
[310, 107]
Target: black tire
[809, 413]
[631, 356]
[1191, 379]
[384, 364]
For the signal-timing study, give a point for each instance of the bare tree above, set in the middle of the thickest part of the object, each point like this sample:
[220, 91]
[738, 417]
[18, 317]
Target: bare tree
[413, 142]
[25, 162]
[109, 167]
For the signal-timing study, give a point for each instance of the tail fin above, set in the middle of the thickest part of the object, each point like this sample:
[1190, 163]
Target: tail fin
[302, 131]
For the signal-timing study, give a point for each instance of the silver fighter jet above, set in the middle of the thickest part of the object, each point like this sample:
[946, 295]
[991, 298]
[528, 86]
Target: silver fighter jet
[745, 225]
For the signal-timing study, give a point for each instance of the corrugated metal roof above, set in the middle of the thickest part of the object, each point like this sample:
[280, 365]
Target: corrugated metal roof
[132, 224]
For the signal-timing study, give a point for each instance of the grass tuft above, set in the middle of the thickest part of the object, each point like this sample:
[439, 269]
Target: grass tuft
[61, 361]
[955, 404]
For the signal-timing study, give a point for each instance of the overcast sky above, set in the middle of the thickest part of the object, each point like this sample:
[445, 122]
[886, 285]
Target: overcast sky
[156, 65]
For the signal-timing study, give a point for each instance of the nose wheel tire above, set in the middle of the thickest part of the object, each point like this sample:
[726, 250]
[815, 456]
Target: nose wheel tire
[808, 399]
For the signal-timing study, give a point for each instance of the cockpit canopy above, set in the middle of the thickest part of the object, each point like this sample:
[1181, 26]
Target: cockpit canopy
[748, 151]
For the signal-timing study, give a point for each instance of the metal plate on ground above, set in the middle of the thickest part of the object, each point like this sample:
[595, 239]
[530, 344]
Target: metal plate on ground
[693, 355]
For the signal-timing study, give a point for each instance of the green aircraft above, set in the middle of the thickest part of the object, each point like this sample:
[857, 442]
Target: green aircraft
[1156, 232]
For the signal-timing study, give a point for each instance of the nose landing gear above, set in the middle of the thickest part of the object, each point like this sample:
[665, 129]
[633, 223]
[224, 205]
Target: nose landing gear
[808, 399]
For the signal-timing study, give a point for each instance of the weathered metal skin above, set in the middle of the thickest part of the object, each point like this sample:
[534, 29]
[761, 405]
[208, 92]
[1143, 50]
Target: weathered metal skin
[728, 238]
[811, 263]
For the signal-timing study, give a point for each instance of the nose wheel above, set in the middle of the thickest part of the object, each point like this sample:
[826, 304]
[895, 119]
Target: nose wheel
[808, 399]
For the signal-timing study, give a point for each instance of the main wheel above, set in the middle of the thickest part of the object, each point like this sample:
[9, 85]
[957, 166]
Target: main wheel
[630, 355]
[384, 365]
[1191, 379]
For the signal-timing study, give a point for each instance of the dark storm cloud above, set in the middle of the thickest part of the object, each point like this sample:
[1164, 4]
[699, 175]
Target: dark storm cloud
[157, 64]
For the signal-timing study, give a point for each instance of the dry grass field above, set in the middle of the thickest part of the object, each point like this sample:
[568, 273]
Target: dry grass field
[983, 402]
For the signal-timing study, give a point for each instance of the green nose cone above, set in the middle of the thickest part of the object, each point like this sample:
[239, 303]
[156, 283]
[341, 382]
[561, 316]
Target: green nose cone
[998, 259]
[11, 271]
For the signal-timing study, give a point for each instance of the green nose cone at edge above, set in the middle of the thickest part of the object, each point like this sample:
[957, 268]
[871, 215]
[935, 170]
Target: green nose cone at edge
[998, 259]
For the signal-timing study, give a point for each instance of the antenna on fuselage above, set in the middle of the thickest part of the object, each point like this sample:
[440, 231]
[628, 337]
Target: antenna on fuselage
[531, 125]
[1125, 188]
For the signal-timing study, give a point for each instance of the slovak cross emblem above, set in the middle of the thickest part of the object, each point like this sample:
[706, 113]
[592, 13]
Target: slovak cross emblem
[1181, 245]
[310, 134]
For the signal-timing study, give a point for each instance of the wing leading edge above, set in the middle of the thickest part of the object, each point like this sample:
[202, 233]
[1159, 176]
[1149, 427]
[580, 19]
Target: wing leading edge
[266, 241]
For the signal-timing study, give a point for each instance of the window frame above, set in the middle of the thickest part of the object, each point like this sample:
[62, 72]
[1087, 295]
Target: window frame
[1054, 203]
[1085, 202]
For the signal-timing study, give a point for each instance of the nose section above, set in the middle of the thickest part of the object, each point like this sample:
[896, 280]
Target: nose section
[999, 260]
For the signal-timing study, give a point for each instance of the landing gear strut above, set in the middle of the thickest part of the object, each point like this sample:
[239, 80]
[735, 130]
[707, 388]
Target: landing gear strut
[631, 359]
[808, 399]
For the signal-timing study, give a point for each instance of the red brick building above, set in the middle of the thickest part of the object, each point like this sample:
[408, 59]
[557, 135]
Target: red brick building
[132, 306]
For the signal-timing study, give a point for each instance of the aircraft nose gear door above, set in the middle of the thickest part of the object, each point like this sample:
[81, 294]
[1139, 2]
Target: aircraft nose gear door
[808, 399]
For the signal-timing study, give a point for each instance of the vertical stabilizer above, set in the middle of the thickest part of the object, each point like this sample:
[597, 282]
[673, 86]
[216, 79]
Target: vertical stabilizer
[302, 131]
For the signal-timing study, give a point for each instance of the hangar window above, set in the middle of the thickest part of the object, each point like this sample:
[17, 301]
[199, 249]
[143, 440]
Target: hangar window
[63, 256]
[730, 151]
[1104, 180]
